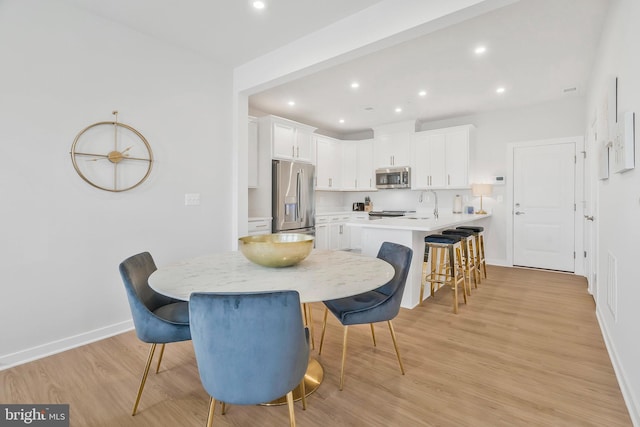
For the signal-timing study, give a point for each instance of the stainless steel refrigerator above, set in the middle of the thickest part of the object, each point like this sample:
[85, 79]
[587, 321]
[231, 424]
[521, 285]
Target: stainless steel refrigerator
[293, 201]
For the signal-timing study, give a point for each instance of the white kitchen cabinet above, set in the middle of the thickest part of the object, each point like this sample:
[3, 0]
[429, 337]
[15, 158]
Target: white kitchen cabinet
[441, 158]
[391, 150]
[322, 236]
[252, 165]
[349, 160]
[259, 226]
[429, 169]
[332, 232]
[457, 158]
[365, 169]
[356, 232]
[328, 163]
[289, 140]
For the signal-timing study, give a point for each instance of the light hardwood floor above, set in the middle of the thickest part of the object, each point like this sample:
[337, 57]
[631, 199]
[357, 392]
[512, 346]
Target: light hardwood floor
[526, 350]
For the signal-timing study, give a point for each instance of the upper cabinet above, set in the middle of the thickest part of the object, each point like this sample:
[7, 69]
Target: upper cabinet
[441, 158]
[328, 164]
[391, 150]
[391, 147]
[289, 140]
[252, 165]
[357, 165]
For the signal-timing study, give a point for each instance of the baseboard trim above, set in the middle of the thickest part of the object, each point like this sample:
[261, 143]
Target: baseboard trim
[633, 405]
[498, 262]
[24, 356]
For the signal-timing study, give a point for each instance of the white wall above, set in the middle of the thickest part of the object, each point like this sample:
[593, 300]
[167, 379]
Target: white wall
[62, 240]
[619, 211]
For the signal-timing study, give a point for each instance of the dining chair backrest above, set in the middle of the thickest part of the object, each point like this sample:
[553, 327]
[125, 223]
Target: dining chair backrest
[143, 300]
[399, 257]
[250, 348]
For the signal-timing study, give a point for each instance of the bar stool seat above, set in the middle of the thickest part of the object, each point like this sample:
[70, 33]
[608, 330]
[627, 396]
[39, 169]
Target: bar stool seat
[468, 254]
[443, 265]
[478, 231]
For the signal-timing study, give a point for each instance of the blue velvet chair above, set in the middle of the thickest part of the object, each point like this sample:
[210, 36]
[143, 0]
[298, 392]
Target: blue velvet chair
[251, 348]
[380, 305]
[157, 319]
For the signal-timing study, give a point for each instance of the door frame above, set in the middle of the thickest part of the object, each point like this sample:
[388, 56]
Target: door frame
[578, 195]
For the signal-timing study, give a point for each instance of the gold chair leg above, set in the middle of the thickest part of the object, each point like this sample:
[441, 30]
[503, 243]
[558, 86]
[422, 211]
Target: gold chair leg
[395, 345]
[212, 409]
[224, 408]
[308, 322]
[160, 358]
[144, 378]
[292, 416]
[423, 281]
[344, 356]
[324, 326]
[303, 395]
[373, 334]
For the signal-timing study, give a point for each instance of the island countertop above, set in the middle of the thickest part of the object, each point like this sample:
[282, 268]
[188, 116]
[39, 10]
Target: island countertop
[419, 222]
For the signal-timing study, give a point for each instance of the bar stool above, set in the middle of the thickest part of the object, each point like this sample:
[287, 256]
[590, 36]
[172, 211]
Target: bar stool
[443, 265]
[468, 254]
[480, 259]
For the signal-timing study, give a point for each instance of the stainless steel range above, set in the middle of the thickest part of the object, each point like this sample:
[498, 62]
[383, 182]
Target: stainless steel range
[387, 214]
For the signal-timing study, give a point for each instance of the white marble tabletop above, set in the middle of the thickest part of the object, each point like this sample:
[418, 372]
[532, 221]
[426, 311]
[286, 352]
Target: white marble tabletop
[323, 275]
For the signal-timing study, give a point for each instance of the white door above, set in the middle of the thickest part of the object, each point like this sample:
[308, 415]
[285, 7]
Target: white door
[544, 206]
[590, 203]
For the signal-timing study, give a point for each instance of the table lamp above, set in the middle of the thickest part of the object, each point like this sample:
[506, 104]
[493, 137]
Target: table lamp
[480, 190]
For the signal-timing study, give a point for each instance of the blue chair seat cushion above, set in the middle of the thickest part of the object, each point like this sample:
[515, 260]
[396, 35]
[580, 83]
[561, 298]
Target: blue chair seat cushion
[358, 309]
[177, 313]
[475, 229]
[441, 238]
[459, 232]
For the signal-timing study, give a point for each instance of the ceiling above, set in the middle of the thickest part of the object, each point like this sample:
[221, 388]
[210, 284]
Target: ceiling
[230, 31]
[535, 50]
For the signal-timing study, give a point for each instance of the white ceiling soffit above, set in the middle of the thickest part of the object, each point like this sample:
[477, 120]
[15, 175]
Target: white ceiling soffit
[229, 31]
[535, 50]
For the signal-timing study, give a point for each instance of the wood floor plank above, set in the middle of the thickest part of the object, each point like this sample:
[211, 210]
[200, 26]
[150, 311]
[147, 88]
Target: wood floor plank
[525, 350]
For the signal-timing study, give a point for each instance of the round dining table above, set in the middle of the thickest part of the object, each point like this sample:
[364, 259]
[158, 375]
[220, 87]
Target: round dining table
[323, 275]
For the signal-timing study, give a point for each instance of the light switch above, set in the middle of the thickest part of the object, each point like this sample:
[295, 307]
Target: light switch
[191, 199]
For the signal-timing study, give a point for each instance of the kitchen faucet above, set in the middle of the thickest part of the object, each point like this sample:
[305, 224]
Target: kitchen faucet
[435, 209]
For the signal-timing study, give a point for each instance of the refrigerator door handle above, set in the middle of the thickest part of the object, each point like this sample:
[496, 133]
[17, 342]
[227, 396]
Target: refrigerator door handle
[298, 195]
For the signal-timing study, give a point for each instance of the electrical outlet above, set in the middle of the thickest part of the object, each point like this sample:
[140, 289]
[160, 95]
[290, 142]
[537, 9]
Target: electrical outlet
[191, 199]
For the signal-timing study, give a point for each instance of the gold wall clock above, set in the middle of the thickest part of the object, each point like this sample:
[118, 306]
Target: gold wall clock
[112, 156]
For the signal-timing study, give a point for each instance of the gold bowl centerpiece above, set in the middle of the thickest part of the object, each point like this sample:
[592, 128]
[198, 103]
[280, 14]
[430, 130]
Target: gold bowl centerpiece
[276, 250]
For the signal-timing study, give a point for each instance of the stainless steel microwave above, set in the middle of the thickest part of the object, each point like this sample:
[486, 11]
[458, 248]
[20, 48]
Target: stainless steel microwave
[399, 177]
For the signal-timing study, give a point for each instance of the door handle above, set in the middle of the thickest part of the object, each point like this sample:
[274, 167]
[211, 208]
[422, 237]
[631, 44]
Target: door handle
[519, 213]
[588, 217]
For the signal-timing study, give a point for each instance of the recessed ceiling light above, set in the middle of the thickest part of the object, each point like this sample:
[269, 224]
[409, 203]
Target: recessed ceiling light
[368, 108]
[500, 90]
[480, 50]
[291, 103]
[398, 110]
[422, 93]
[341, 120]
[355, 85]
[258, 4]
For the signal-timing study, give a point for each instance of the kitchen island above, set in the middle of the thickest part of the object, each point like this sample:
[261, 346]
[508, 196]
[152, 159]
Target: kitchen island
[410, 231]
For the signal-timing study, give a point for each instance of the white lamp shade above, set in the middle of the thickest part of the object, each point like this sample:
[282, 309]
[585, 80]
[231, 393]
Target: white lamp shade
[481, 189]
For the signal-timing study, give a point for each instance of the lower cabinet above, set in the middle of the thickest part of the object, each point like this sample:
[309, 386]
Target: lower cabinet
[259, 226]
[332, 232]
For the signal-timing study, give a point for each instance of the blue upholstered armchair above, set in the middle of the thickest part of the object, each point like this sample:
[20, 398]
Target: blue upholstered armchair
[380, 305]
[157, 319]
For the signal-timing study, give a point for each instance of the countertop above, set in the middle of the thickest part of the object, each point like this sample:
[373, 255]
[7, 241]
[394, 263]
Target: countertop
[419, 222]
